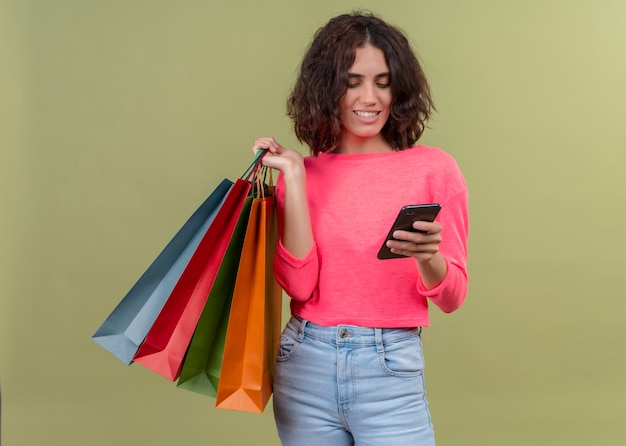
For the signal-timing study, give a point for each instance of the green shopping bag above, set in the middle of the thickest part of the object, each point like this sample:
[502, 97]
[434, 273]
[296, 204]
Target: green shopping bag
[201, 368]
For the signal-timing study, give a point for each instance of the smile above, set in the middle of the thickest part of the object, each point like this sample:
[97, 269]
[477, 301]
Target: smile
[366, 114]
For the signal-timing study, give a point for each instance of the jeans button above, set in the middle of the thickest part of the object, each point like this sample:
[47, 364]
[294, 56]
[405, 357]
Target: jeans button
[344, 334]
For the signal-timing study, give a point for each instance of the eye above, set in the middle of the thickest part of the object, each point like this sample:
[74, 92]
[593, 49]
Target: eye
[383, 82]
[353, 84]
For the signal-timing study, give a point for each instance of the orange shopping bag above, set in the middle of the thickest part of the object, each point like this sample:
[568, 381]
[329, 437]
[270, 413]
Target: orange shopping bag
[254, 323]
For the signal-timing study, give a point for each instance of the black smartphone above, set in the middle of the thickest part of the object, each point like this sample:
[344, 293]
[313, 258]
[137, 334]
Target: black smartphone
[404, 222]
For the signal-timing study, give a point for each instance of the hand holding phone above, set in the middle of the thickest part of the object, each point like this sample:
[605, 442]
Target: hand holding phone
[404, 222]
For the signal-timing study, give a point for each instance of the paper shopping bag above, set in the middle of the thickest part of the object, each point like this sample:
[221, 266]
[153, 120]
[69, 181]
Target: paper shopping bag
[166, 343]
[203, 361]
[254, 324]
[125, 328]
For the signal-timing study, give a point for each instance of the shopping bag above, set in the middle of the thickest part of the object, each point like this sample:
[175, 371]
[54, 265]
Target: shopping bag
[245, 382]
[164, 347]
[202, 363]
[125, 328]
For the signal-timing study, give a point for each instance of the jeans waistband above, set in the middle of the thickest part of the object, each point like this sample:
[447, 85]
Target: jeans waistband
[351, 334]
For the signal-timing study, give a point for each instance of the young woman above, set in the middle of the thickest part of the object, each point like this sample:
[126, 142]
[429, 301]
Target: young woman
[350, 366]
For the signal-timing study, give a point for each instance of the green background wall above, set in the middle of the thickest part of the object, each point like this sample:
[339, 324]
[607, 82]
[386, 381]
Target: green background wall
[118, 117]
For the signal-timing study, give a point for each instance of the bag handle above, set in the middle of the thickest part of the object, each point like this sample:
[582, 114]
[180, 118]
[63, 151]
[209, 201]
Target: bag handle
[256, 164]
[263, 183]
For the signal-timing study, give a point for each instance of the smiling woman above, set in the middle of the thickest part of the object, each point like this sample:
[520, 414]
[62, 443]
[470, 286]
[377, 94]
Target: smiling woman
[361, 102]
[325, 76]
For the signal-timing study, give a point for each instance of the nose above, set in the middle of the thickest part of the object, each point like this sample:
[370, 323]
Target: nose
[369, 94]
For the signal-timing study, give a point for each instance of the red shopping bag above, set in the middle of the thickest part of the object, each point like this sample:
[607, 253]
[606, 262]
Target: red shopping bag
[166, 343]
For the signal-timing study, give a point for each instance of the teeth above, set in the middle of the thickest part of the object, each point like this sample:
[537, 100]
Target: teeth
[366, 114]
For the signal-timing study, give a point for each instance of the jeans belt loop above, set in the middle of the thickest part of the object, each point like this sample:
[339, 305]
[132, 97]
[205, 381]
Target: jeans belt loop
[301, 326]
[379, 339]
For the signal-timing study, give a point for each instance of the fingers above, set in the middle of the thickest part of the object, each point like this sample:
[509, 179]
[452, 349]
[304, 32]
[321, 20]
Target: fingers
[421, 245]
[416, 242]
[426, 231]
[278, 157]
[428, 227]
[421, 251]
[267, 143]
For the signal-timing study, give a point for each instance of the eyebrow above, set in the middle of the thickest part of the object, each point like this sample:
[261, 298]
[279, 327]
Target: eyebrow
[360, 76]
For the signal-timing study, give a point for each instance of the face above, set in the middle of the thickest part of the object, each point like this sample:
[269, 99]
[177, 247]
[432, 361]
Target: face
[366, 103]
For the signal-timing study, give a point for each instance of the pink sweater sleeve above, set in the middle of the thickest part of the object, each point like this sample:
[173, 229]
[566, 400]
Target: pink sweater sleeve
[450, 293]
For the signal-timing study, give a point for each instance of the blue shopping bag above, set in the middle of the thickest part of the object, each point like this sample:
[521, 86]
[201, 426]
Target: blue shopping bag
[126, 327]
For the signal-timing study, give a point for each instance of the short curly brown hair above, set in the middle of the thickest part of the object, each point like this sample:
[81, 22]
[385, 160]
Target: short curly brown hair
[313, 104]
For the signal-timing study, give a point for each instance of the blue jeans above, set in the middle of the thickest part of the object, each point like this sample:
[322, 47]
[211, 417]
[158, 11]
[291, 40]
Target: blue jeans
[346, 385]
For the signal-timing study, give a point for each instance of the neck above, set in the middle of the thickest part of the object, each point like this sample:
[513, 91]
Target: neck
[354, 144]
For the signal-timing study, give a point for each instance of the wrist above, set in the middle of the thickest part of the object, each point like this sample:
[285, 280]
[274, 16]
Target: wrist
[294, 174]
[433, 270]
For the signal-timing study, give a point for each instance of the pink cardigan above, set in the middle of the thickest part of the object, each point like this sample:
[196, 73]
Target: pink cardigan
[353, 201]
